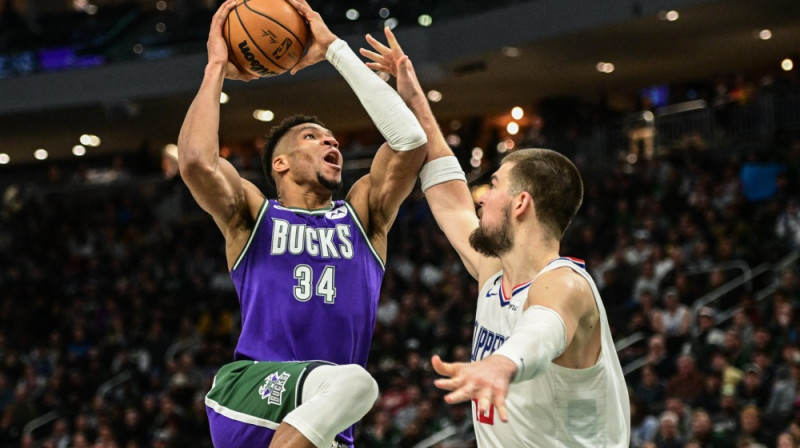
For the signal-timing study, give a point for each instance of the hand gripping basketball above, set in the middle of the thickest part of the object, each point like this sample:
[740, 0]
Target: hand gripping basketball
[265, 37]
[321, 36]
[217, 47]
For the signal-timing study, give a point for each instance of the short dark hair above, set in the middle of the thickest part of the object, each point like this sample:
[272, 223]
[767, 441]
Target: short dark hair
[554, 183]
[274, 137]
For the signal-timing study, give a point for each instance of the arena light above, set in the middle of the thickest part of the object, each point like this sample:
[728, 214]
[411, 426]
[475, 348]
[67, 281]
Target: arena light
[391, 23]
[765, 34]
[352, 14]
[90, 140]
[605, 67]
[477, 153]
[475, 162]
[138, 48]
[161, 27]
[161, 5]
[787, 65]
[224, 98]
[669, 16]
[40, 154]
[384, 13]
[517, 113]
[512, 128]
[171, 150]
[425, 20]
[453, 140]
[434, 96]
[79, 150]
[510, 52]
[263, 115]
[4, 158]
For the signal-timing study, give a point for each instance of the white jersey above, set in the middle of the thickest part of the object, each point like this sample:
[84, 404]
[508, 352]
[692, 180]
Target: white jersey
[560, 407]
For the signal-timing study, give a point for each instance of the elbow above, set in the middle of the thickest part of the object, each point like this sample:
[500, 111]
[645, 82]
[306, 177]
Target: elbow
[191, 163]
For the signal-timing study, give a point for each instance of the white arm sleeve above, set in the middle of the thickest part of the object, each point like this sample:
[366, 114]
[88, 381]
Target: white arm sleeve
[539, 337]
[394, 119]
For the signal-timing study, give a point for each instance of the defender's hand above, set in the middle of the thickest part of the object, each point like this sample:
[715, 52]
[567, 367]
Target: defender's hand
[486, 381]
[393, 61]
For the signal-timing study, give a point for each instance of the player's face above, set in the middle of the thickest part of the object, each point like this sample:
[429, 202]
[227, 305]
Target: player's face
[493, 237]
[316, 156]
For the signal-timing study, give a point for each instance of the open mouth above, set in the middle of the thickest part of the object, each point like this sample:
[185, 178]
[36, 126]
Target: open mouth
[332, 158]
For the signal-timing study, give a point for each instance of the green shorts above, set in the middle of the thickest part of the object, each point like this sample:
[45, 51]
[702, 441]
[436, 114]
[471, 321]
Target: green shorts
[260, 393]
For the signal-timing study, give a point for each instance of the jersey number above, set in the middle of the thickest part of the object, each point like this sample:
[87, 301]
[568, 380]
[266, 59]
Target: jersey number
[485, 418]
[325, 287]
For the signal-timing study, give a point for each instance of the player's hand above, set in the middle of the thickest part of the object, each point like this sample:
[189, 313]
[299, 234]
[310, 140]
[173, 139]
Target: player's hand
[218, 49]
[321, 36]
[393, 61]
[486, 381]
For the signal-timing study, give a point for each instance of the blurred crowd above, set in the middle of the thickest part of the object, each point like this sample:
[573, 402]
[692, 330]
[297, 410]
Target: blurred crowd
[117, 308]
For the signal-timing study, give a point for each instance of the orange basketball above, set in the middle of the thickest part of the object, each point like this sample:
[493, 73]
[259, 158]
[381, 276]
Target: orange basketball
[265, 37]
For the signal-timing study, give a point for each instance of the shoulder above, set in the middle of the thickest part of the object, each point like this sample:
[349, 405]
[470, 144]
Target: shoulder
[562, 287]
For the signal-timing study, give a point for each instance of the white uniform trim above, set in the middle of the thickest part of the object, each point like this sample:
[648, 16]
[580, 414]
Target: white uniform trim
[239, 416]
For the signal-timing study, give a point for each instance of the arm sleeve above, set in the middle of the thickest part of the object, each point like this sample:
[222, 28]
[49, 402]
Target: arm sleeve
[390, 114]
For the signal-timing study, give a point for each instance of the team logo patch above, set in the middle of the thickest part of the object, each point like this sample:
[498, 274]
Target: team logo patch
[273, 387]
[337, 213]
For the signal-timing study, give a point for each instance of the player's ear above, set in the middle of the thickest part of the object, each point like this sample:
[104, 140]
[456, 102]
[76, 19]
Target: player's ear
[522, 203]
[280, 164]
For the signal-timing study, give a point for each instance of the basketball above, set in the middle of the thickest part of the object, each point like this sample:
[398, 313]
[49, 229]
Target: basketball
[265, 37]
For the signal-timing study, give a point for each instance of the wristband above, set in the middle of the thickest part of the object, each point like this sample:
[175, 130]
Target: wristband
[440, 170]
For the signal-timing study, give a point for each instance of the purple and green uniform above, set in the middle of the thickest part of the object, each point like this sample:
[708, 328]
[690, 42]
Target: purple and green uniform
[308, 283]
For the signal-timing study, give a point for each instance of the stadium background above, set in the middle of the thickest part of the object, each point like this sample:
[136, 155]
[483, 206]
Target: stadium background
[116, 305]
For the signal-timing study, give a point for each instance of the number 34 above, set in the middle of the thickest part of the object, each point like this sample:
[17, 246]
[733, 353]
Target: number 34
[325, 287]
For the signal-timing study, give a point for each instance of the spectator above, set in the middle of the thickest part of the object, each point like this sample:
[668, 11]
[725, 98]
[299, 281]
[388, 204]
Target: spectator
[709, 338]
[650, 390]
[673, 321]
[659, 358]
[751, 426]
[687, 384]
[751, 390]
[668, 435]
[644, 426]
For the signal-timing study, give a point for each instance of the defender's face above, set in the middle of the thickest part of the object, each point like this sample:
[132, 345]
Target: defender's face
[496, 202]
[493, 236]
[316, 155]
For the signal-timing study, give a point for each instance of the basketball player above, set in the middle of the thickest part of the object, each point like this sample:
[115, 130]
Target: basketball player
[307, 269]
[544, 370]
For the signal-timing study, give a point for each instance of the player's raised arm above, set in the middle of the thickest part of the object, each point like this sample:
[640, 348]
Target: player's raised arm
[443, 180]
[213, 181]
[377, 197]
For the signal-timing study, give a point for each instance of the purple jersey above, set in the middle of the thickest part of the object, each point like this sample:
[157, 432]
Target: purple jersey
[308, 284]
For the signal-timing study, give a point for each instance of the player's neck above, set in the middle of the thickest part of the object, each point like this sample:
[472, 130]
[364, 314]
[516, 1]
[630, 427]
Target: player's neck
[527, 257]
[304, 198]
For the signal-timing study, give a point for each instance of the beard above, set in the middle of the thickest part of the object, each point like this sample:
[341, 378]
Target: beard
[493, 243]
[332, 185]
